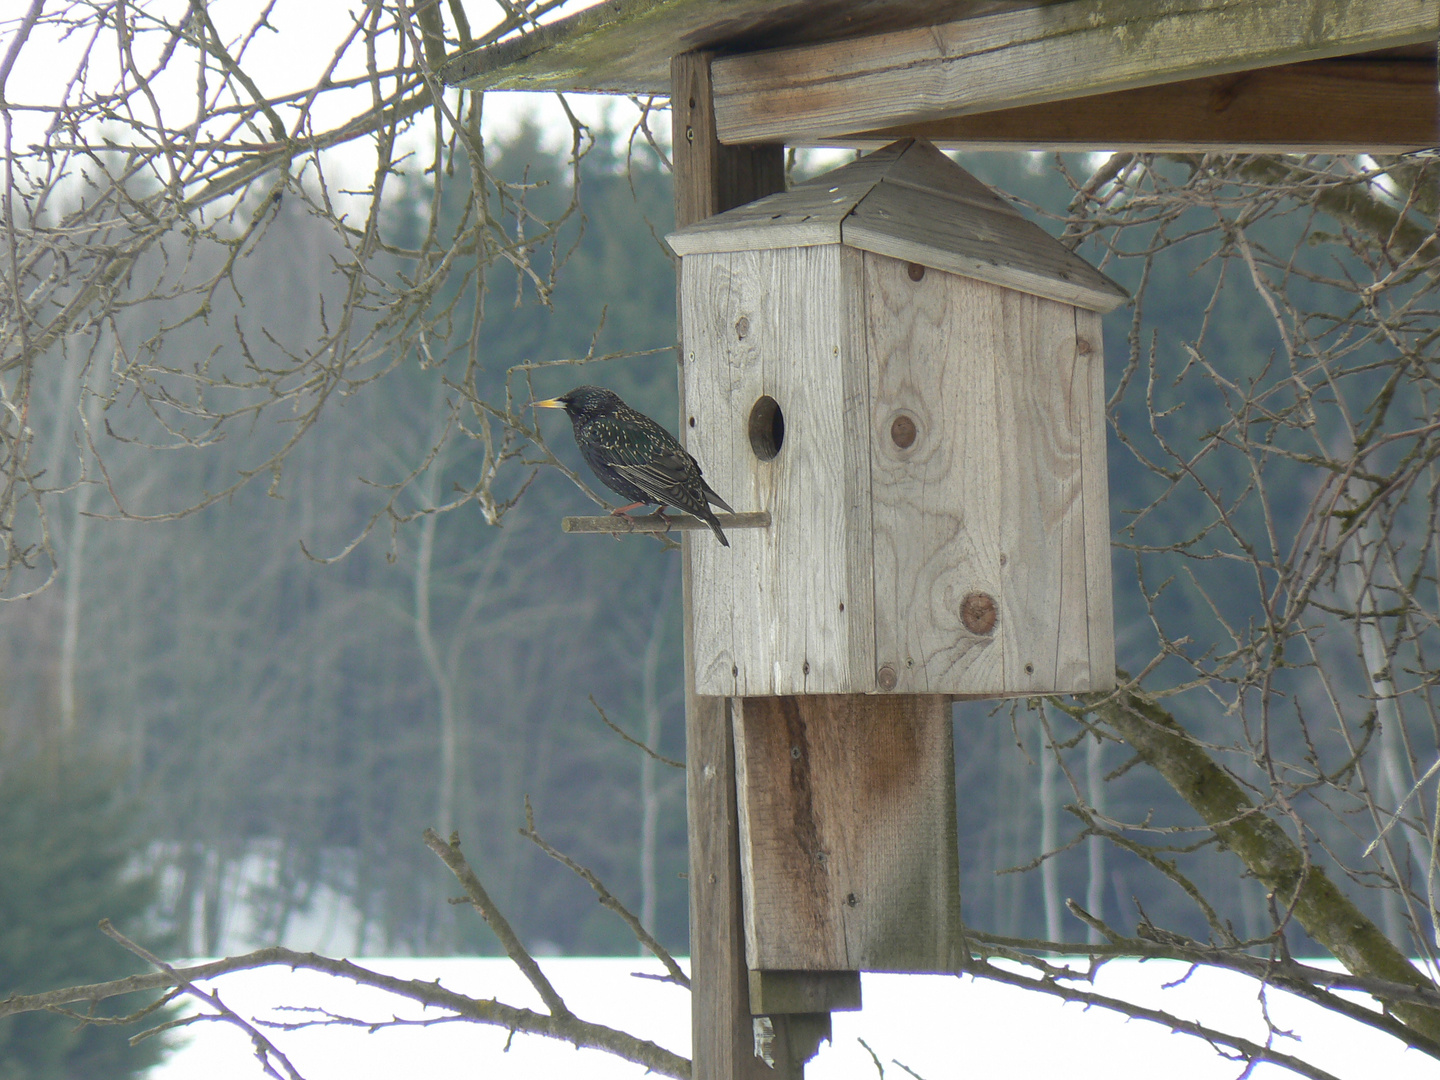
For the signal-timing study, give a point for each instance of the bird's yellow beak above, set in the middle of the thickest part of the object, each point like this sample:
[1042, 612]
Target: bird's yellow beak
[548, 403]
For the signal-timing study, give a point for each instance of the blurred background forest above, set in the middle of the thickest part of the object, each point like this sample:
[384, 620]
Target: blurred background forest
[280, 724]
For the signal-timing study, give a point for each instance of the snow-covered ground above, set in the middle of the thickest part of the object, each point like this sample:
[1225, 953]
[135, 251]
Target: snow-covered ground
[936, 1026]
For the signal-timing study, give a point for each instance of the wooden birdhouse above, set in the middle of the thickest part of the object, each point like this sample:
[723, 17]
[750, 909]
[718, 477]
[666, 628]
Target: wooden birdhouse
[908, 375]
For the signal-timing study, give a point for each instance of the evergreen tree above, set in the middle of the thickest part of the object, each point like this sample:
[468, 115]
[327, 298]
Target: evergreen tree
[67, 861]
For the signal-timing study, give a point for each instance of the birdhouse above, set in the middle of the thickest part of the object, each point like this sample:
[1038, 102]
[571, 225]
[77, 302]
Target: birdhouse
[908, 376]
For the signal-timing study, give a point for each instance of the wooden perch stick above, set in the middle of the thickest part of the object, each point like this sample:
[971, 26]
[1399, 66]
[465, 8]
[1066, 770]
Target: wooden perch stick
[659, 523]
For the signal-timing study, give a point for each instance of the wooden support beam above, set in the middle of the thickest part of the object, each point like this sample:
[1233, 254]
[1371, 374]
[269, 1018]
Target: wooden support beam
[1321, 107]
[847, 819]
[1041, 54]
[710, 178]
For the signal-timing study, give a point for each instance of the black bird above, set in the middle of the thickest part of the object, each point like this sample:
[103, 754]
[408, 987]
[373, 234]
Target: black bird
[635, 457]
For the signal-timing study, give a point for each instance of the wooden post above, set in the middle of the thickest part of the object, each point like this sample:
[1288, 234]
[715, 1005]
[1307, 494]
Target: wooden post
[710, 178]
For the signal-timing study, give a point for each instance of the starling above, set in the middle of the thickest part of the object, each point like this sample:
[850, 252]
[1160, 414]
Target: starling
[635, 457]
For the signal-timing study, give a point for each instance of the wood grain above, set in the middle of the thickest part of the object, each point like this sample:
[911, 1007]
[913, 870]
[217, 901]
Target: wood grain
[847, 812]
[625, 46]
[783, 610]
[710, 178]
[1002, 491]
[1095, 480]
[938, 504]
[804, 991]
[1326, 106]
[1041, 54]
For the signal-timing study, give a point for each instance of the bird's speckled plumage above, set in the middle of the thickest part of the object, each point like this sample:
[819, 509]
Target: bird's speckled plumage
[635, 457]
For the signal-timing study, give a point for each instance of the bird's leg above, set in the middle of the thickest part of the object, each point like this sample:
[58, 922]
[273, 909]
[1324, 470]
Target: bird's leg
[624, 510]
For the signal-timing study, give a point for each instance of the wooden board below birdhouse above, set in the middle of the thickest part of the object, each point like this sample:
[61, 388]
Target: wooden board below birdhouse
[847, 833]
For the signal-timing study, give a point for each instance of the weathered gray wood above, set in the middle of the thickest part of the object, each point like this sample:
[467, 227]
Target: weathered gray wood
[917, 226]
[624, 46]
[710, 178]
[910, 202]
[847, 815]
[938, 503]
[1095, 481]
[1347, 106]
[620, 524]
[783, 610]
[774, 992]
[1041, 54]
[1001, 492]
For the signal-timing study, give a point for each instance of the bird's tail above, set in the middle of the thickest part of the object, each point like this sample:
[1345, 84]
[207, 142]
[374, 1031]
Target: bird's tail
[714, 499]
[714, 524]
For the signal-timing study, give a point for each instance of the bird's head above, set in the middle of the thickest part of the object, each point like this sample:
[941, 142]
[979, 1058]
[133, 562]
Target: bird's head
[583, 403]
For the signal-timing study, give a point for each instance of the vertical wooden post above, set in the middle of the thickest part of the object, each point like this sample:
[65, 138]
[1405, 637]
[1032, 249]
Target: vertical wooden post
[710, 178]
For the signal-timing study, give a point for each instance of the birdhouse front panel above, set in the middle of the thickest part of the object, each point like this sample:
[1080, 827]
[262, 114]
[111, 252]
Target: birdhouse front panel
[787, 609]
[990, 523]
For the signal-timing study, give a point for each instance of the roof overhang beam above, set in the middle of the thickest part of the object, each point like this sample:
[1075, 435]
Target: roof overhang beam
[1090, 54]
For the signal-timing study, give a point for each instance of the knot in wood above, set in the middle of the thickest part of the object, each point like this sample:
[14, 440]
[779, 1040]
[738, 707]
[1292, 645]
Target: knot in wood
[978, 612]
[903, 431]
[886, 678]
[742, 327]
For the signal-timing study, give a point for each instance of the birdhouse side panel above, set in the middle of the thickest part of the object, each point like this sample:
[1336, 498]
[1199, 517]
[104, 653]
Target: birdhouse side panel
[1049, 426]
[1095, 470]
[774, 613]
[936, 477]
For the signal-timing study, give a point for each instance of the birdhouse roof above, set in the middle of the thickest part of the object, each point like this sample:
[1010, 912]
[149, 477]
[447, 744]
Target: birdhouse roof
[909, 201]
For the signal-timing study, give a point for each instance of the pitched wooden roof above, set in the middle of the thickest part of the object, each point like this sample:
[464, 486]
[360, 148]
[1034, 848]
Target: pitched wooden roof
[1312, 75]
[911, 202]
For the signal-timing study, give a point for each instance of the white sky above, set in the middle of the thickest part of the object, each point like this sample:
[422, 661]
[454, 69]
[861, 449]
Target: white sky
[286, 59]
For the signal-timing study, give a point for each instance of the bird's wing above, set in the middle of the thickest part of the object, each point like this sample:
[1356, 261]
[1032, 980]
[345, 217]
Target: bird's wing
[671, 478]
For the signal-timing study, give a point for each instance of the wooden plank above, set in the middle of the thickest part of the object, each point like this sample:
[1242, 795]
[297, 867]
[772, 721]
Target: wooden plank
[999, 492]
[710, 178]
[624, 46]
[938, 501]
[912, 203]
[847, 810]
[1036, 55]
[1044, 391]
[805, 217]
[786, 609]
[774, 992]
[1004, 249]
[1095, 476]
[1325, 106]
